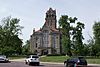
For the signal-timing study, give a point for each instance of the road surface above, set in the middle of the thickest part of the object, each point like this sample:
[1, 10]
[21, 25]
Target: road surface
[22, 64]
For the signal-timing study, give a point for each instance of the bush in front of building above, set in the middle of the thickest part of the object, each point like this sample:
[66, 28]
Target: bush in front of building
[56, 55]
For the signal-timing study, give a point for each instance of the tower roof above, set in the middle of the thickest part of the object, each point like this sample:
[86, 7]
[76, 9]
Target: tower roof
[51, 11]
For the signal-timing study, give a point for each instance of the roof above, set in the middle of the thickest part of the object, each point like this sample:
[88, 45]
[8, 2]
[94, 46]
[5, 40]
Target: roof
[54, 30]
[38, 30]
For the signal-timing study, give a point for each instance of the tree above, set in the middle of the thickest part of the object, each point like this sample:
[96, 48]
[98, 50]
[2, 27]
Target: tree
[26, 47]
[77, 38]
[96, 32]
[71, 35]
[11, 25]
[9, 31]
[90, 47]
[65, 25]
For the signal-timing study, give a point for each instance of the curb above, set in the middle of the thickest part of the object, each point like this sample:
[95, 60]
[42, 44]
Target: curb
[52, 63]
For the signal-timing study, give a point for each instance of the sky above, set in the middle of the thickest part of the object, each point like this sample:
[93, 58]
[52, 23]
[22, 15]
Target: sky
[32, 13]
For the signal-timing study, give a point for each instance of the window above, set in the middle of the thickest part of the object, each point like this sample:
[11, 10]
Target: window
[45, 38]
[35, 56]
[36, 45]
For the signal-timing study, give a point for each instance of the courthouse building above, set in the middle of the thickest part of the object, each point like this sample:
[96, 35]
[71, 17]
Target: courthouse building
[47, 39]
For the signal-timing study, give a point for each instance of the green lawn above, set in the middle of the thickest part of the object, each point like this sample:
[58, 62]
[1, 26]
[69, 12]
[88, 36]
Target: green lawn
[63, 58]
[93, 61]
[11, 58]
[53, 58]
[16, 57]
[60, 59]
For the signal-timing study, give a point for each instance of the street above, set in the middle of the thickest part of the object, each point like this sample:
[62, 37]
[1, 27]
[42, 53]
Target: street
[22, 64]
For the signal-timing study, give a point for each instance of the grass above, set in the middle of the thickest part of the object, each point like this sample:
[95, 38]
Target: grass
[93, 61]
[53, 58]
[63, 58]
[16, 57]
[60, 59]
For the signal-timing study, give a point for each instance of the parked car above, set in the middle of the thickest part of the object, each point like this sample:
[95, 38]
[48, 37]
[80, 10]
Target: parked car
[32, 59]
[76, 62]
[3, 58]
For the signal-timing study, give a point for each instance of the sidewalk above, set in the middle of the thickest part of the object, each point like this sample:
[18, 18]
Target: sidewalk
[97, 65]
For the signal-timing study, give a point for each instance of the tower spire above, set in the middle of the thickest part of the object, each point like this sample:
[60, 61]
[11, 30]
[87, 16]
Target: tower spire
[51, 18]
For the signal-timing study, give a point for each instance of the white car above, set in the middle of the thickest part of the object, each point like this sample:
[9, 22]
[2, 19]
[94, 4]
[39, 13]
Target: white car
[32, 59]
[3, 58]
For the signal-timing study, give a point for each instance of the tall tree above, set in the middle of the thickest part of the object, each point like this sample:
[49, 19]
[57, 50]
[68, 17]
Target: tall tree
[65, 25]
[11, 25]
[96, 32]
[10, 29]
[78, 37]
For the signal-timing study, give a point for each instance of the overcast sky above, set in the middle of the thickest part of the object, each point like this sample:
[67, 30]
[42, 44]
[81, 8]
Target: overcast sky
[32, 13]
